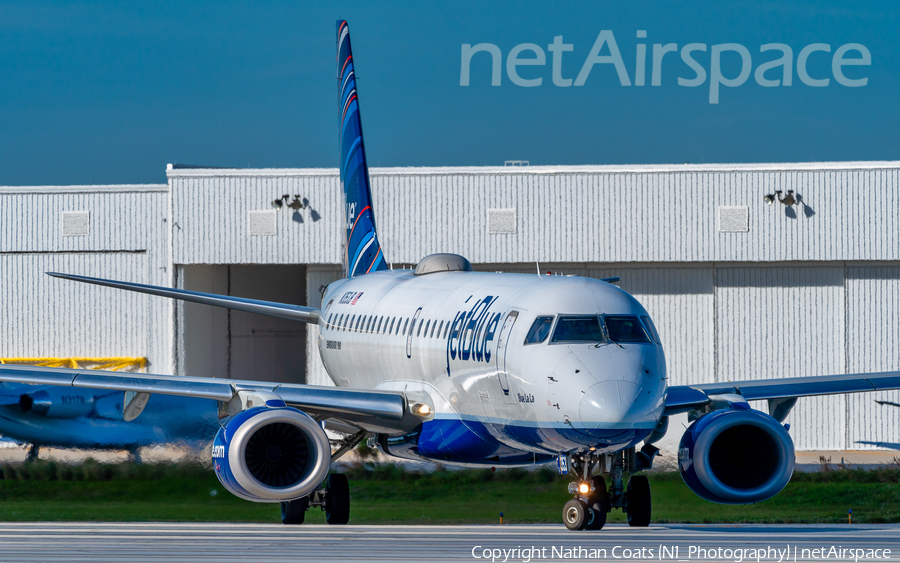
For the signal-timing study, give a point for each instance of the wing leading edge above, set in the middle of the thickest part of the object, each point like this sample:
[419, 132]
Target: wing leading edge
[683, 398]
[375, 411]
[269, 308]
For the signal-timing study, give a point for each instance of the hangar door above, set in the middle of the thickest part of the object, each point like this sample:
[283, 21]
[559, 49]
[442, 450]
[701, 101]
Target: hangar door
[216, 342]
[786, 321]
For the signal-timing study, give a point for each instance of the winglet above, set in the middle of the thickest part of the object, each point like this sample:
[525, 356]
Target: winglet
[362, 252]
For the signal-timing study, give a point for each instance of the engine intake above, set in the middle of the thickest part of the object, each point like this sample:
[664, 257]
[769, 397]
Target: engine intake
[266, 454]
[736, 456]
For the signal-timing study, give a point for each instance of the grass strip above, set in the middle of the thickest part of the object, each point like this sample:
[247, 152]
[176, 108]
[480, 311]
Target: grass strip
[388, 494]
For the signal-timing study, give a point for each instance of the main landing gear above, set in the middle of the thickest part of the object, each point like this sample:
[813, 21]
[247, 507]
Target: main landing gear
[333, 497]
[593, 501]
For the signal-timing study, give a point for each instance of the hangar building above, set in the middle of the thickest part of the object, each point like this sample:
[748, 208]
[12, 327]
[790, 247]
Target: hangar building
[738, 287]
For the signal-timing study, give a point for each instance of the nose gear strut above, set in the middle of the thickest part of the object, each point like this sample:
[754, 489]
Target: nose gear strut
[593, 501]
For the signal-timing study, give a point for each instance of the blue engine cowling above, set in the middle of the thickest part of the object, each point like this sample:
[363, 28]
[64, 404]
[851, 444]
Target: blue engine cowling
[266, 454]
[736, 456]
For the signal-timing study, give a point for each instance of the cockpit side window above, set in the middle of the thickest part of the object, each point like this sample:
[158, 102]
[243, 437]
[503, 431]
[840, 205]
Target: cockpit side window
[539, 330]
[582, 328]
[648, 323]
[626, 329]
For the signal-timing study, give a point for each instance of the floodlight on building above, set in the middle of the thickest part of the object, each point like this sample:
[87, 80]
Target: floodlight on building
[279, 203]
[788, 200]
[298, 203]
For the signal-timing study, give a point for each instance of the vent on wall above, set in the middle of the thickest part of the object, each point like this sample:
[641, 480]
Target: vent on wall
[262, 223]
[734, 219]
[501, 221]
[76, 223]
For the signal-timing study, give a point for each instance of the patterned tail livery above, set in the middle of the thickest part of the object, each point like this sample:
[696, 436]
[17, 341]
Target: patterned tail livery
[362, 250]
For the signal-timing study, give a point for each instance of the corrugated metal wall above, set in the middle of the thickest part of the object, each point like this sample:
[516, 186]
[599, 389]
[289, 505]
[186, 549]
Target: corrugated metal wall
[316, 277]
[127, 240]
[211, 224]
[785, 321]
[564, 214]
[873, 339]
[813, 289]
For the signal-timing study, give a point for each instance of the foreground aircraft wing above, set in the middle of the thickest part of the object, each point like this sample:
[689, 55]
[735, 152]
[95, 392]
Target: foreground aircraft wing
[269, 308]
[683, 398]
[374, 411]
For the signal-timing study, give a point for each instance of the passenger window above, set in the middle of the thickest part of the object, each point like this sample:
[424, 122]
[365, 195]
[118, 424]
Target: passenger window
[433, 328]
[626, 329]
[578, 329]
[446, 329]
[540, 330]
[648, 324]
[405, 326]
[380, 320]
[371, 327]
[350, 324]
[428, 324]
[390, 330]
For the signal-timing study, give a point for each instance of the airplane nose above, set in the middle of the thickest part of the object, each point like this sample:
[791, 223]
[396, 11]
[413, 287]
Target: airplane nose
[610, 404]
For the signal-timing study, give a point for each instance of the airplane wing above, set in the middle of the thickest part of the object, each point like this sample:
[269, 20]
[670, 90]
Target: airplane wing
[375, 411]
[684, 398]
[269, 308]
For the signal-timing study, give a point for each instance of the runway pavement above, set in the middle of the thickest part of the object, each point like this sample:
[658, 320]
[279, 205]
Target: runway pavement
[139, 542]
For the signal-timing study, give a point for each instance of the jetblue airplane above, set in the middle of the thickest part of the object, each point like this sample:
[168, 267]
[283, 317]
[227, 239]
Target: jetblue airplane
[445, 364]
[48, 415]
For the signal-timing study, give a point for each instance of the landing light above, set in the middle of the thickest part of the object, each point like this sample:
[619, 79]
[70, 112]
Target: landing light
[584, 488]
[421, 409]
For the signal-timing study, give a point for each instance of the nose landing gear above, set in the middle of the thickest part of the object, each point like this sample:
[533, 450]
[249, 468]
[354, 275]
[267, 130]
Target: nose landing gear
[593, 501]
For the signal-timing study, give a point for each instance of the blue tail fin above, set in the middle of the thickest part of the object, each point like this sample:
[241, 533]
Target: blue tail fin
[362, 252]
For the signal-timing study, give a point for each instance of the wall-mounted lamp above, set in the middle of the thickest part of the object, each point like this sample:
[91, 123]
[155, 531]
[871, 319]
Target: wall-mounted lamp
[788, 200]
[297, 203]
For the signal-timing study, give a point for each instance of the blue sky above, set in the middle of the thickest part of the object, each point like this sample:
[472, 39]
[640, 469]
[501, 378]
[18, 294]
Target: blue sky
[109, 92]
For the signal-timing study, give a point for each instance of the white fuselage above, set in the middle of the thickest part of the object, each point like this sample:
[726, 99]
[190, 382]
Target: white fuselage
[460, 337]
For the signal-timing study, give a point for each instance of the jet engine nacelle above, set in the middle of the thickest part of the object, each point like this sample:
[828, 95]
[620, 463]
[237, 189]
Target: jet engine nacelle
[266, 454]
[736, 456]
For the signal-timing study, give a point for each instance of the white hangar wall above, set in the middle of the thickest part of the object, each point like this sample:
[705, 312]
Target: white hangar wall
[101, 231]
[738, 289]
[608, 214]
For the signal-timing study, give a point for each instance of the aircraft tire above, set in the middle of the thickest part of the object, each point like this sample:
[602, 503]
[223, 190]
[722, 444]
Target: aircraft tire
[294, 511]
[637, 499]
[575, 515]
[596, 519]
[337, 499]
[600, 505]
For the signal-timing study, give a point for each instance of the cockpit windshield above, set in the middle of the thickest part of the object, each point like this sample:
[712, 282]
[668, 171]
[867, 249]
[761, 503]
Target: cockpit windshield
[571, 328]
[539, 330]
[626, 329]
